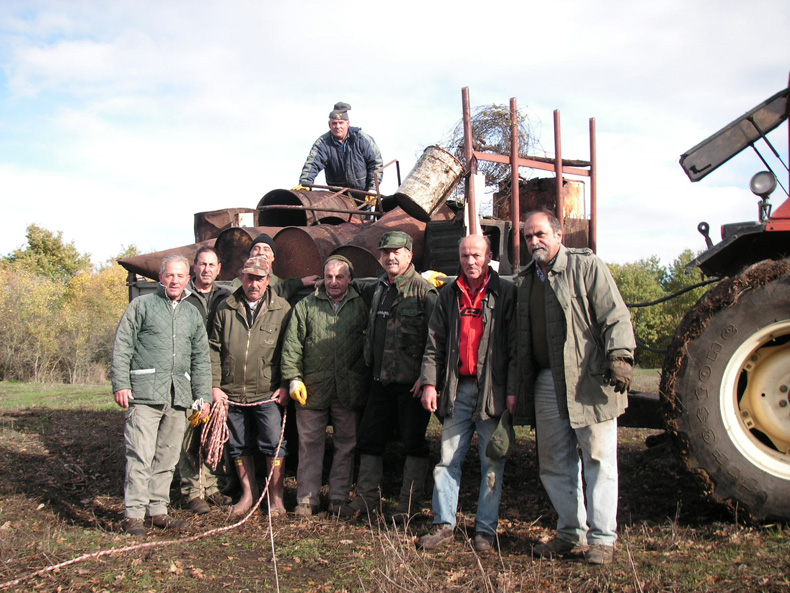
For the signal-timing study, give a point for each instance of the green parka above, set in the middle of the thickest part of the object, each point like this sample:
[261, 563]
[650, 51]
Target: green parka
[160, 348]
[324, 349]
[245, 361]
[587, 324]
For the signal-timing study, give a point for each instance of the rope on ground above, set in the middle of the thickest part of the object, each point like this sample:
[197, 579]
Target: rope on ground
[156, 544]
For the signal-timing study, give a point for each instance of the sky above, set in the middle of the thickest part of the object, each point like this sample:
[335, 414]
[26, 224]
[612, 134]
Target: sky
[120, 120]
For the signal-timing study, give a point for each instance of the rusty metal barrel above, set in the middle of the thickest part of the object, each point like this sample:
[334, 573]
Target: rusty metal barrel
[234, 244]
[296, 208]
[208, 225]
[301, 251]
[362, 249]
[148, 265]
[429, 183]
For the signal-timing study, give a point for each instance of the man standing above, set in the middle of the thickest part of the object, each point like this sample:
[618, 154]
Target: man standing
[204, 294]
[245, 366]
[160, 365]
[468, 378]
[348, 155]
[401, 306]
[322, 359]
[575, 349]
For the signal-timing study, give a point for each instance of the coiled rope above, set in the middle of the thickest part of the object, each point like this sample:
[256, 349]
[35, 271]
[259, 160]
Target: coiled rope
[218, 409]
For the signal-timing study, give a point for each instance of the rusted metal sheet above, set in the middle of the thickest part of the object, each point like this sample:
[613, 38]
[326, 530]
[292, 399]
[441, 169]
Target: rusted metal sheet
[208, 225]
[362, 249]
[148, 265]
[333, 208]
[301, 251]
[233, 246]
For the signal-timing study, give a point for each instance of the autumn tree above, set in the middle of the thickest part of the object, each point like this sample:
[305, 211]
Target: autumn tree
[47, 255]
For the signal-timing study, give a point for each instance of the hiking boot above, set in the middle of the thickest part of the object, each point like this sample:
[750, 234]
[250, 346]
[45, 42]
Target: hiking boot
[304, 509]
[219, 499]
[134, 527]
[483, 541]
[439, 535]
[198, 506]
[167, 522]
[599, 554]
[559, 548]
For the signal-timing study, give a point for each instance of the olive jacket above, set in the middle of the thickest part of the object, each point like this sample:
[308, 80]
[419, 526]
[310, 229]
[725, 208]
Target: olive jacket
[245, 360]
[587, 324]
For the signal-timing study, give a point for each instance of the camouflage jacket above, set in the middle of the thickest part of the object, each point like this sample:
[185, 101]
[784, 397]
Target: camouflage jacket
[407, 327]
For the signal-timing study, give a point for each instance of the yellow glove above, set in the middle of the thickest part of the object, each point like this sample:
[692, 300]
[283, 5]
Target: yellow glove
[298, 391]
[301, 187]
[433, 277]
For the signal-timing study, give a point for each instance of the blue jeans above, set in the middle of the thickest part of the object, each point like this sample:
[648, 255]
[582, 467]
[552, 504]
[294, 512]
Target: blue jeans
[561, 469]
[457, 433]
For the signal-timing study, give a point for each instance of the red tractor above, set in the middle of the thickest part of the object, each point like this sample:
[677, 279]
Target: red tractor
[725, 384]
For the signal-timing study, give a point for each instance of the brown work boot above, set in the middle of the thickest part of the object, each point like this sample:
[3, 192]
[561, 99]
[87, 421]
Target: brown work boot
[198, 506]
[440, 534]
[168, 522]
[134, 527]
[559, 548]
[276, 488]
[599, 554]
[219, 499]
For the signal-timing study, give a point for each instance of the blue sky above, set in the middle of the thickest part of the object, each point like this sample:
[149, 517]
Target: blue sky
[119, 120]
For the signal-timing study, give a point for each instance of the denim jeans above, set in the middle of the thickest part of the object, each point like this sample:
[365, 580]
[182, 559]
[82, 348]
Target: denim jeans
[457, 433]
[153, 436]
[561, 469]
[253, 429]
[312, 426]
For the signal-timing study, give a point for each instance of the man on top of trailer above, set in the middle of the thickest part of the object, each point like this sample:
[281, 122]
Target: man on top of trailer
[348, 156]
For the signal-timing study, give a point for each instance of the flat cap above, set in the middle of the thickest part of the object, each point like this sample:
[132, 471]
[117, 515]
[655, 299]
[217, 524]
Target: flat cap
[258, 265]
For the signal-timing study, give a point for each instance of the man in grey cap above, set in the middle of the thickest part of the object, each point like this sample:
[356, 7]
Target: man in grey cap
[348, 156]
[401, 307]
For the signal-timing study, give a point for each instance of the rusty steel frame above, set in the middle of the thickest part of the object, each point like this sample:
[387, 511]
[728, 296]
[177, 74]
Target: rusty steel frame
[557, 165]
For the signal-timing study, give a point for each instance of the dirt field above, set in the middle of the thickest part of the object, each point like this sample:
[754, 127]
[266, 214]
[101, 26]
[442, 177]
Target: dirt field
[61, 462]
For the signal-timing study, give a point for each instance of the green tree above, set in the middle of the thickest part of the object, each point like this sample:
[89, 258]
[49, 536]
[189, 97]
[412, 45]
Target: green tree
[47, 255]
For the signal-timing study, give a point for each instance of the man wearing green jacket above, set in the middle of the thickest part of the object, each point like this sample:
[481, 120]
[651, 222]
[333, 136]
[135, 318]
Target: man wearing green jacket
[401, 307]
[575, 348]
[322, 359]
[160, 365]
[245, 347]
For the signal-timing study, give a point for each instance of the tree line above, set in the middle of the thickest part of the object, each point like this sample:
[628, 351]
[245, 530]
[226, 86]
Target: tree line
[58, 313]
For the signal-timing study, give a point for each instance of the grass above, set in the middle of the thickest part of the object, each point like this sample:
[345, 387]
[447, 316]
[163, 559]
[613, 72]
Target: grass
[61, 458]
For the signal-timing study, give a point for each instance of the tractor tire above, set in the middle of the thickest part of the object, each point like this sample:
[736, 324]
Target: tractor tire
[726, 390]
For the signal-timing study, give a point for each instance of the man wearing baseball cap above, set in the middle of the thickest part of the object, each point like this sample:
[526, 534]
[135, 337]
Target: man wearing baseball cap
[245, 365]
[401, 307]
[348, 156]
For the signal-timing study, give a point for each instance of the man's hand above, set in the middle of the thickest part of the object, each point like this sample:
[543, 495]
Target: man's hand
[218, 395]
[280, 396]
[415, 390]
[619, 375]
[122, 397]
[298, 391]
[310, 280]
[300, 187]
[511, 403]
[429, 398]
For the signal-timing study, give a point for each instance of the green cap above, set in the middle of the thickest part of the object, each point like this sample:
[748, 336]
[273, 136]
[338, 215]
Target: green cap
[395, 240]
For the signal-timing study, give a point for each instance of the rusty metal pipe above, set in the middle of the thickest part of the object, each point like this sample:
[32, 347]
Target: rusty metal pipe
[148, 265]
[208, 225]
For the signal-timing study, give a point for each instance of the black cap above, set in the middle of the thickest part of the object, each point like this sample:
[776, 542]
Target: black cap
[264, 238]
